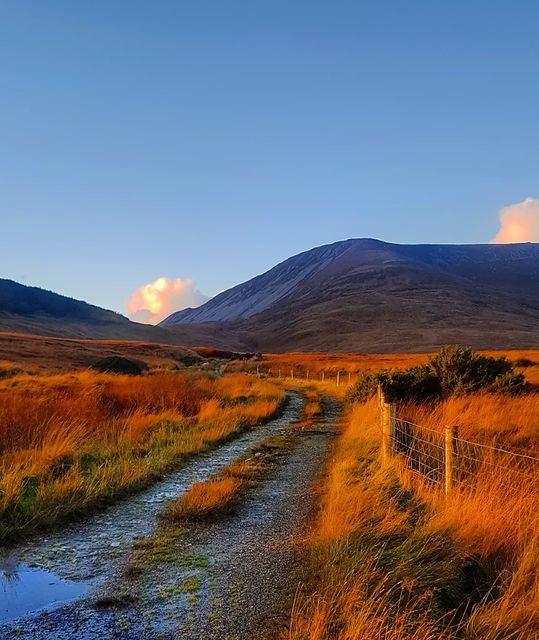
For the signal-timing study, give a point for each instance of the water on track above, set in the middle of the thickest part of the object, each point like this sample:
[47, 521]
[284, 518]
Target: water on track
[75, 560]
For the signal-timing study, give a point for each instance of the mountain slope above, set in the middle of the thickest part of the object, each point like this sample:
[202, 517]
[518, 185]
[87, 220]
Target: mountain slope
[260, 293]
[33, 310]
[367, 295]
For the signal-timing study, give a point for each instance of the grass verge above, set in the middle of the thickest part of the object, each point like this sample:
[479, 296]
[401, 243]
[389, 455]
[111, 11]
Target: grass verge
[219, 494]
[382, 564]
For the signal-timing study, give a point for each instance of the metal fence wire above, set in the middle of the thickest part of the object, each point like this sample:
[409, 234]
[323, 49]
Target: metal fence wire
[422, 450]
[442, 457]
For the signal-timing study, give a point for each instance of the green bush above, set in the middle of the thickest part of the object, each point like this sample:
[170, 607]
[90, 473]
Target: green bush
[524, 362]
[453, 371]
[365, 386]
[189, 361]
[118, 364]
[5, 374]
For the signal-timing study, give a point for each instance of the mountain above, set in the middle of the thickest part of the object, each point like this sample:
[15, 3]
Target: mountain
[26, 309]
[372, 296]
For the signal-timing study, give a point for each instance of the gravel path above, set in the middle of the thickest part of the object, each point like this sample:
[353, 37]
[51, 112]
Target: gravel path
[81, 557]
[256, 555]
[233, 579]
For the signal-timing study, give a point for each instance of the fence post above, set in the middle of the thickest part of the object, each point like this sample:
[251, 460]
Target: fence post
[388, 416]
[349, 377]
[292, 373]
[338, 377]
[323, 376]
[307, 374]
[392, 425]
[451, 457]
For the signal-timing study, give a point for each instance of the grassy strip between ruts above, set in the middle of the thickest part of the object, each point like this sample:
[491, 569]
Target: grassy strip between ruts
[381, 566]
[218, 494]
[215, 497]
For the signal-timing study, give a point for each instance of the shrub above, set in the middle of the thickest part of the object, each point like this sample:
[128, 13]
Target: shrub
[365, 386]
[118, 364]
[524, 362]
[453, 371]
[462, 371]
[7, 373]
[189, 361]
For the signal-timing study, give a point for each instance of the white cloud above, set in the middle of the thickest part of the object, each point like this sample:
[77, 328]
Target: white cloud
[519, 222]
[153, 302]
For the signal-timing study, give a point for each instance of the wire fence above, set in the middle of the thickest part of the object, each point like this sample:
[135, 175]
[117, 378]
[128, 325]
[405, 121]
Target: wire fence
[439, 457]
[442, 457]
[335, 376]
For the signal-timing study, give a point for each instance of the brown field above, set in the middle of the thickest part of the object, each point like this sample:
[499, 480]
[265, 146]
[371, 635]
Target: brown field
[356, 362]
[44, 353]
[312, 364]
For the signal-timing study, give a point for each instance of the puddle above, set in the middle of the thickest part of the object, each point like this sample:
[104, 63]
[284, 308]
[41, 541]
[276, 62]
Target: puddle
[91, 549]
[25, 589]
[82, 556]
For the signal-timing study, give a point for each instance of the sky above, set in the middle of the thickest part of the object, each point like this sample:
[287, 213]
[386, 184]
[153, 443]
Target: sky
[156, 153]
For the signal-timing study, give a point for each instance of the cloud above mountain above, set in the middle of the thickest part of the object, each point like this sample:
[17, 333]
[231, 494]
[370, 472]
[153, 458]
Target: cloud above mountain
[519, 222]
[153, 302]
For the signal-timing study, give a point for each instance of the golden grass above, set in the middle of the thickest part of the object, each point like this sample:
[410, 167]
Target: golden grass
[351, 597]
[203, 498]
[302, 365]
[390, 561]
[494, 515]
[498, 420]
[71, 441]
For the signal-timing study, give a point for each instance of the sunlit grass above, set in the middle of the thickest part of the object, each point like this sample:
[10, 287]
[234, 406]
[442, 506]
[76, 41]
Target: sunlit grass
[392, 559]
[70, 442]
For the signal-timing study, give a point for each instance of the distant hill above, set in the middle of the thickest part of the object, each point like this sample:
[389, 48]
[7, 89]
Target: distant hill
[371, 296]
[33, 310]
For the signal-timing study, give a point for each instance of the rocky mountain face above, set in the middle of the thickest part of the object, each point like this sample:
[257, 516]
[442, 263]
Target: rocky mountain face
[371, 296]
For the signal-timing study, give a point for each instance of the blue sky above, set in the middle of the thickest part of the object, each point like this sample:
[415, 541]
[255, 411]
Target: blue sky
[210, 140]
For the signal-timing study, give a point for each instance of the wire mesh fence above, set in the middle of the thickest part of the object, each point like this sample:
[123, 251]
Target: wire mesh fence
[422, 450]
[442, 457]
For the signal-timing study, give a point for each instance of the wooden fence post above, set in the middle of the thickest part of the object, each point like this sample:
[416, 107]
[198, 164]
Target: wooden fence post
[292, 373]
[386, 433]
[388, 416]
[307, 374]
[323, 376]
[349, 377]
[392, 426]
[338, 377]
[451, 457]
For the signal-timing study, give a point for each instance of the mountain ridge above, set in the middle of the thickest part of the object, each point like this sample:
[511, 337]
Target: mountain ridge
[34, 310]
[365, 294]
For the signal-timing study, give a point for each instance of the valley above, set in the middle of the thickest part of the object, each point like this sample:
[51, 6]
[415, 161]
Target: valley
[281, 469]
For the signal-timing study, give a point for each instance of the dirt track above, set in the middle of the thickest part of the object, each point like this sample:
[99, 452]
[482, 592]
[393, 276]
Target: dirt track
[239, 574]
